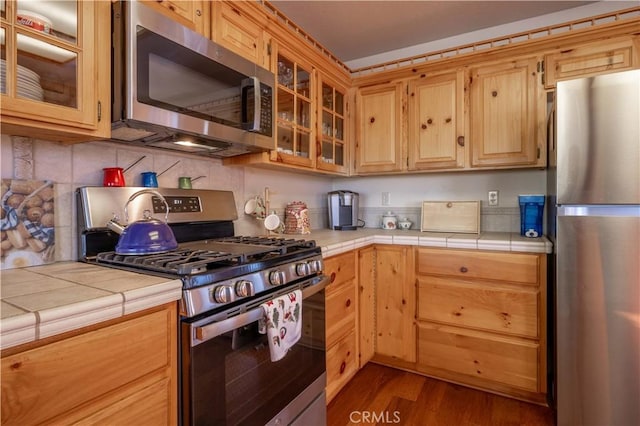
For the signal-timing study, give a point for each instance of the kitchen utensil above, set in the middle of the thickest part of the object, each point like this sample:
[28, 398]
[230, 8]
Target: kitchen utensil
[184, 182]
[296, 218]
[255, 207]
[149, 179]
[145, 236]
[404, 224]
[389, 221]
[135, 162]
[273, 223]
[168, 168]
[113, 176]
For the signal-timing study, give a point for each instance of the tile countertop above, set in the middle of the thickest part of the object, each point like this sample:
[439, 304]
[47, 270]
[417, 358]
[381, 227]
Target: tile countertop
[43, 301]
[336, 242]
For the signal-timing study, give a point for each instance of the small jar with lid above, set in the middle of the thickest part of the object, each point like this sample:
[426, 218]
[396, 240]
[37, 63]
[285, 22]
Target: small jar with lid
[389, 221]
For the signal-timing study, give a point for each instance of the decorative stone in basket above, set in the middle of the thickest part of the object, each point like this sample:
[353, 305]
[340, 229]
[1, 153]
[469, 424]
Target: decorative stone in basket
[27, 223]
[296, 218]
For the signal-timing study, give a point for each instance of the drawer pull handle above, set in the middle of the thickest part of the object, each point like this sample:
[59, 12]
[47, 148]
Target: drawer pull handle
[464, 269]
[343, 366]
[333, 276]
[348, 302]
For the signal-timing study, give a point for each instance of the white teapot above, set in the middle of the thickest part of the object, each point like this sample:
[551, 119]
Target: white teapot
[389, 221]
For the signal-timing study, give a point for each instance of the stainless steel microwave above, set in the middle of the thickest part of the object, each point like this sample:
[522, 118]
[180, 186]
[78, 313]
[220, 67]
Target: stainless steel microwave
[173, 88]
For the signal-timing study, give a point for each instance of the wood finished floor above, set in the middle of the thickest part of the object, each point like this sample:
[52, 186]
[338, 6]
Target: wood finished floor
[382, 395]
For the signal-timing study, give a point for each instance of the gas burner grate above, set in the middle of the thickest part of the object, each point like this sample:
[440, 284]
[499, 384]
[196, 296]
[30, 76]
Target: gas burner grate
[181, 262]
[269, 241]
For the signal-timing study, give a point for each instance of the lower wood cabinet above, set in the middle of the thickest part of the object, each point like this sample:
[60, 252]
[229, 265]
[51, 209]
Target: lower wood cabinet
[395, 303]
[482, 320]
[341, 322]
[121, 373]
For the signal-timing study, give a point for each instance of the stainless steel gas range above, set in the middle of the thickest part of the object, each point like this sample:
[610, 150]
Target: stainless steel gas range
[226, 374]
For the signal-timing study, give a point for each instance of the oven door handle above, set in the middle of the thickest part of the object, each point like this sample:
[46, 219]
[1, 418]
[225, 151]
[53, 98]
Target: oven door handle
[209, 331]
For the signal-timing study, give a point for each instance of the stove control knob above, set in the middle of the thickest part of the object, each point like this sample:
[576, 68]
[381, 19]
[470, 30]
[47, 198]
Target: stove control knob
[223, 294]
[316, 266]
[303, 269]
[277, 277]
[244, 288]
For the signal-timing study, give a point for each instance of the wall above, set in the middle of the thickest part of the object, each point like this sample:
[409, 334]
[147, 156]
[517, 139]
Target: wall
[408, 191]
[71, 166]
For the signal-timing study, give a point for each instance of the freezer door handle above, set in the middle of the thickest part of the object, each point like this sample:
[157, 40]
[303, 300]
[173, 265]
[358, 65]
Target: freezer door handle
[601, 211]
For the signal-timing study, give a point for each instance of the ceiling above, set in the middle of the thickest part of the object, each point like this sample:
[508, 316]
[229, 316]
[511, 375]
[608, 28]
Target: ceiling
[358, 29]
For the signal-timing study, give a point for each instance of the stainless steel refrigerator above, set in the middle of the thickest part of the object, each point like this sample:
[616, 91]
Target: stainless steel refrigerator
[595, 201]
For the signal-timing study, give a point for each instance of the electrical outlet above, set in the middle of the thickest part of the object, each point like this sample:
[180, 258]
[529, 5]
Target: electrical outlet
[386, 198]
[493, 198]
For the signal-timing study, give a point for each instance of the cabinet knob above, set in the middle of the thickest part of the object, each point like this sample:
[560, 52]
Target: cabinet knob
[447, 120]
[348, 303]
[429, 121]
[333, 276]
[372, 119]
[342, 367]
[424, 126]
[449, 205]
[463, 269]
[198, 12]
[494, 93]
[461, 140]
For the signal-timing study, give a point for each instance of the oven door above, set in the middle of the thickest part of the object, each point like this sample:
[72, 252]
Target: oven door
[228, 377]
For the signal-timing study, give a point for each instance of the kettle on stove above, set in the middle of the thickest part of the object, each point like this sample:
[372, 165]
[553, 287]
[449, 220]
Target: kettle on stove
[343, 210]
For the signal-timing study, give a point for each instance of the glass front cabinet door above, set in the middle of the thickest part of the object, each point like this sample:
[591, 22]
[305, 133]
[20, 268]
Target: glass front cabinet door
[332, 149]
[294, 112]
[55, 68]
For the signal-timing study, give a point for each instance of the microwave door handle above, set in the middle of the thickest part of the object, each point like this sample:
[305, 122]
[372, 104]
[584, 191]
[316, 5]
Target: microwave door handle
[257, 104]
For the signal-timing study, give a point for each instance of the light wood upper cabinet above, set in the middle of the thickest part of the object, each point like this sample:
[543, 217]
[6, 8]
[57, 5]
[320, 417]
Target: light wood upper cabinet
[193, 14]
[592, 59]
[379, 129]
[233, 29]
[507, 116]
[332, 153]
[56, 81]
[436, 123]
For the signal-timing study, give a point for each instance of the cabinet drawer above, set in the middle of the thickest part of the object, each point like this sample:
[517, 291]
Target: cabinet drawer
[479, 306]
[340, 312]
[467, 264]
[507, 361]
[44, 381]
[340, 268]
[342, 364]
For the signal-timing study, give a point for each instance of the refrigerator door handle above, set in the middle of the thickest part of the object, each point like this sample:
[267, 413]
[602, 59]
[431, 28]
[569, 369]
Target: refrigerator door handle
[602, 211]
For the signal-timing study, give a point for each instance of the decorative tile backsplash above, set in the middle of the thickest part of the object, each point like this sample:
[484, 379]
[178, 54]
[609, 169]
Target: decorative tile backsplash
[71, 166]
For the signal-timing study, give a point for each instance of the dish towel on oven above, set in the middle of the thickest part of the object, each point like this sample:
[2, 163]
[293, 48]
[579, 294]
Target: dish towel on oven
[282, 322]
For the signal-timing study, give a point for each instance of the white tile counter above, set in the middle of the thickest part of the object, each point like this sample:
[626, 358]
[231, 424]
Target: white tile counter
[336, 242]
[43, 301]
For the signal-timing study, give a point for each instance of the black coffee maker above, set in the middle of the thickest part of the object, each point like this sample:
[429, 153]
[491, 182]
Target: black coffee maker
[343, 210]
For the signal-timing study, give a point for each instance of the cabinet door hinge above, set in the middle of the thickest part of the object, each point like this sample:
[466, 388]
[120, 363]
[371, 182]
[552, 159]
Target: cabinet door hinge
[99, 111]
[269, 49]
[538, 153]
